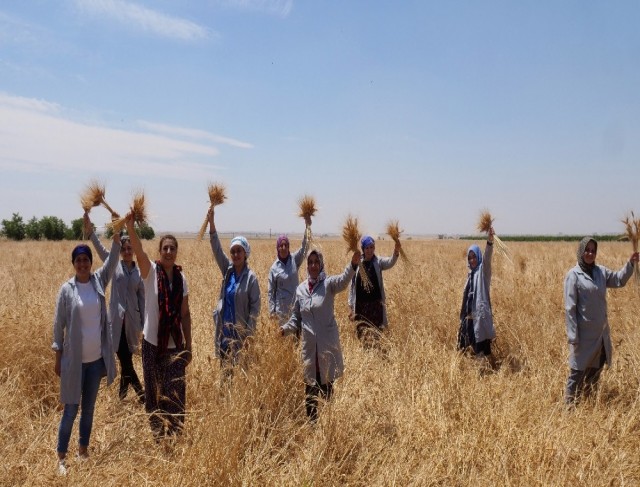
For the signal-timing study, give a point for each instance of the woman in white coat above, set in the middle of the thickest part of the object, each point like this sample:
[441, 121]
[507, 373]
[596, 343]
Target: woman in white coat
[588, 332]
[313, 319]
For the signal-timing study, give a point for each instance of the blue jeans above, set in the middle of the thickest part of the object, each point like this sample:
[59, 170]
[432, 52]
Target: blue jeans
[92, 373]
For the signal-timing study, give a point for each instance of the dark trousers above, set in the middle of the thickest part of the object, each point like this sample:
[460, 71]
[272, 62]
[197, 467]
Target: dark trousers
[312, 392]
[165, 395]
[127, 371]
[583, 383]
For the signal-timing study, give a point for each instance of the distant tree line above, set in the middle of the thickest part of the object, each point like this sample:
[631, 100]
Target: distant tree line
[546, 238]
[53, 228]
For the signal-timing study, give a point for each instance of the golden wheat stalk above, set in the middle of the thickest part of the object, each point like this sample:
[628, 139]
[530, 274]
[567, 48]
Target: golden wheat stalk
[393, 230]
[632, 233]
[217, 195]
[94, 196]
[308, 209]
[484, 225]
[137, 210]
[351, 236]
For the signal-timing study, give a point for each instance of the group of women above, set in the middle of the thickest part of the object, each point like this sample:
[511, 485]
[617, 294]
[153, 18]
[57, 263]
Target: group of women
[153, 297]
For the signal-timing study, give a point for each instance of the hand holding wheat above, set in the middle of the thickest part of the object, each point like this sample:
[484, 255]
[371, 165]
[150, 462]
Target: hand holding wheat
[307, 210]
[137, 212]
[217, 195]
[632, 233]
[485, 225]
[93, 195]
[351, 236]
[393, 230]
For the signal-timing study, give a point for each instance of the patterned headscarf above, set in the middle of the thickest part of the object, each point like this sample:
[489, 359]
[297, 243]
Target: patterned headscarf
[242, 242]
[476, 250]
[321, 274]
[588, 268]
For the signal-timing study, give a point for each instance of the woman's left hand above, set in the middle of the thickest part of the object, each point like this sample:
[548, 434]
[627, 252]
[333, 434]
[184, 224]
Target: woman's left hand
[355, 260]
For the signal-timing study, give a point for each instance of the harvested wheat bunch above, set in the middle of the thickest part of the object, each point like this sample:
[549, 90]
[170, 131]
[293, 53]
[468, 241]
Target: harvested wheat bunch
[632, 233]
[217, 195]
[484, 225]
[351, 236]
[137, 210]
[93, 195]
[307, 210]
[393, 230]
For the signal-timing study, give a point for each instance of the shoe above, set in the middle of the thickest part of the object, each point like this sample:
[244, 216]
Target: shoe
[82, 457]
[62, 468]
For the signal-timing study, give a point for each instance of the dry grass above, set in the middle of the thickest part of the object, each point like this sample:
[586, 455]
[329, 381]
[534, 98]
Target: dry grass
[632, 233]
[419, 414]
[307, 205]
[217, 196]
[484, 225]
[393, 230]
[93, 195]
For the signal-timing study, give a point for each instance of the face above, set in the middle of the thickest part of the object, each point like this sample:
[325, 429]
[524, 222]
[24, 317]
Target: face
[589, 255]
[238, 255]
[283, 249]
[126, 252]
[313, 266]
[168, 252]
[369, 250]
[472, 258]
[82, 266]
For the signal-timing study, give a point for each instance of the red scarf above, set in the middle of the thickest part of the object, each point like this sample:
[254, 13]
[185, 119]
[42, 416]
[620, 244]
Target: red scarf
[170, 307]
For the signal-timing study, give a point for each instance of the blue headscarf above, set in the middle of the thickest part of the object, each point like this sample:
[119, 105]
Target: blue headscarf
[476, 250]
[81, 249]
[366, 241]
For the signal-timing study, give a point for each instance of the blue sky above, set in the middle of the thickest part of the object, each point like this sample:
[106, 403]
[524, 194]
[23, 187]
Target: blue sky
[426, 112]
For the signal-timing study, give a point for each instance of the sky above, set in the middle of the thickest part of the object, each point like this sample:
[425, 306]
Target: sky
[426, 112]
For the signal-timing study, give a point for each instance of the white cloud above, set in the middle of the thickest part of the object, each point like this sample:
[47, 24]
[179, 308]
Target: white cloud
[193, 134]
[36, 138]
[146, 19]
[281, 8]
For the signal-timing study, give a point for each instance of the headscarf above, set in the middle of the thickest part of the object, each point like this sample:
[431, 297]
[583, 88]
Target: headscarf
[242, 242]
[366, 241]
[588, 268]
[282, 238]
[476, 250]
[81, 249]
[321, 274]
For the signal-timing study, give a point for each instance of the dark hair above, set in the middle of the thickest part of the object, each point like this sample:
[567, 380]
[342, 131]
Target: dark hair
[167, 237]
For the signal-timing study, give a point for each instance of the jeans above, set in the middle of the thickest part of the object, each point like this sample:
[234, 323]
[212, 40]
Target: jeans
[92, 373]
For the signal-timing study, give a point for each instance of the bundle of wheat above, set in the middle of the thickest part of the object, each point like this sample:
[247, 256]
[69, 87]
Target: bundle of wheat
[351, 236]
[484, 225]
[137, 210]
[217, 195]
[94, 196]
[307, 210]
[632, 232]
[393, 230]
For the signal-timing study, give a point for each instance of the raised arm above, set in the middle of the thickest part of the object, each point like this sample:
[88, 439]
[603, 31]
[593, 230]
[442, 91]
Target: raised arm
[299, 255]
[91, 234]
[340, 282]
[216, 248]
[141, 255]
[105, 272]
[620, 278]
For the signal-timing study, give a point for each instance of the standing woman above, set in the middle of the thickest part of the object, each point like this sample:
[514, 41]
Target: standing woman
[82, 342]
[283, 276]
[476, 319]
[166, 347]
[126, 309]
[236, 313]
[313, 319]
[588, 332]
[368, 308]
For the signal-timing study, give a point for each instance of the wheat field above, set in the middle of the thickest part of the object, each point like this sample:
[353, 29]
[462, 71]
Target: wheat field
[413, 413]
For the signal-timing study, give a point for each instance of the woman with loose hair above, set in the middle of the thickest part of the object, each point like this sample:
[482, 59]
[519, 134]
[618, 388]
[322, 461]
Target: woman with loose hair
[126, 309]
[166, 347]
[283, 276]
[236, 313]
[585, 305]
[313, 319]
[82, 343]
